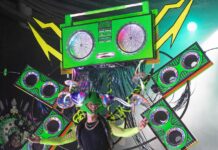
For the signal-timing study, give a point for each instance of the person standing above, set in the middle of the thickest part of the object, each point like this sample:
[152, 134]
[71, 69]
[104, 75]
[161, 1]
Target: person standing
[93, 132]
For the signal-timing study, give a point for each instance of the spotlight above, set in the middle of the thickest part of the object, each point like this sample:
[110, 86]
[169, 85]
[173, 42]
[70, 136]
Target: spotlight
[192, 26]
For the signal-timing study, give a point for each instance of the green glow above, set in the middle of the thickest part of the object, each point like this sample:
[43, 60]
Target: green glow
[5, 72]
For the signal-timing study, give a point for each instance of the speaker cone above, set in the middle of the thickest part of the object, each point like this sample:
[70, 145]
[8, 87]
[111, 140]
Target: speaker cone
[169, 75]
[190, 60]
[160, 116]
[52, 125]
[30, 79]
[80, 45]
[175, 136]
[131, 38]
[48, 89]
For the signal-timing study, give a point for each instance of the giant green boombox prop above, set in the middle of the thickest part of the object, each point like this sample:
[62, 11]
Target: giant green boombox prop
[108, 39]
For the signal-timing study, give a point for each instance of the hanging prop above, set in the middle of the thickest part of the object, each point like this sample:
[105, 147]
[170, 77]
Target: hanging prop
[182, 68]
[169, 129]
[39, 86]
[53, 125]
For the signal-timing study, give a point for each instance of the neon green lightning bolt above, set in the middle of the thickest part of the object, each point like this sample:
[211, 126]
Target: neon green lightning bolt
[173, 31]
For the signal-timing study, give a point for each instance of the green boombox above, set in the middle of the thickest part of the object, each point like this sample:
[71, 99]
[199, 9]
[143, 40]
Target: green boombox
[39, 86]
[52, 126]
[110, 39]
[167, 126]
[182, 68]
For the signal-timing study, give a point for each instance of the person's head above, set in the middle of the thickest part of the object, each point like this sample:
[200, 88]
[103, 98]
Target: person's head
[92, 103]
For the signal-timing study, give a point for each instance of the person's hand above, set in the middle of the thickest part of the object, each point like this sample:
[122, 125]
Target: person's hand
[143, 123]
[34, 139]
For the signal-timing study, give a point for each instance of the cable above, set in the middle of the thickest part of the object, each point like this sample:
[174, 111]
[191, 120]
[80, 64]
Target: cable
[187, 103]
[183, 99]
[188, 86]
[186, 107]
[172, 98]
[146, 142]
[138, 138]
[215, 48]
[166, 54]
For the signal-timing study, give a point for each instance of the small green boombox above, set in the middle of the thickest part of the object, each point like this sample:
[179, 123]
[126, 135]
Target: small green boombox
[39, 86]
[52, 126]
[185, 66]
[167, 126]
[110, 39]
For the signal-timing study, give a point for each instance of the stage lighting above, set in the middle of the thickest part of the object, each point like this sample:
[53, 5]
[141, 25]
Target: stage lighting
[192, 26]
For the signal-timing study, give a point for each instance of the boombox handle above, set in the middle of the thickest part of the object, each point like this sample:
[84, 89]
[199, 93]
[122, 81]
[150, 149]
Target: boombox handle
[143, 4]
